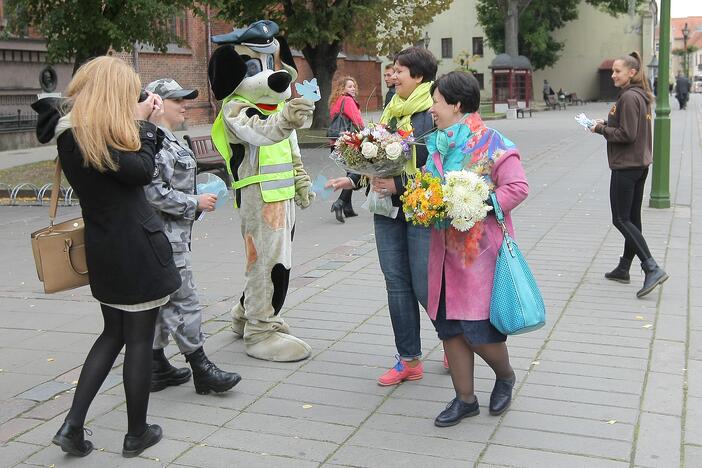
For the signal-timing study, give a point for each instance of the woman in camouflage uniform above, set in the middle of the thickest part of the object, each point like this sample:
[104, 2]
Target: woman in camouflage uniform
[172, 193]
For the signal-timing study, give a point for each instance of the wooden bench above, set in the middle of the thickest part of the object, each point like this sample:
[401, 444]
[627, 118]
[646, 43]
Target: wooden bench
[207, 157]
[512, 104]
[554, 103]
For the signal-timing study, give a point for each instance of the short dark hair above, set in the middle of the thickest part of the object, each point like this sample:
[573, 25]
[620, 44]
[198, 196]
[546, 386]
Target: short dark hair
[420, 62]
[459, 86]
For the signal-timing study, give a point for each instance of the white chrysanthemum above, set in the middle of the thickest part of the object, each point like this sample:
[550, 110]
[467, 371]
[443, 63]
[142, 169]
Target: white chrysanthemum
[393, 150]
[369, 150]
[464, 194]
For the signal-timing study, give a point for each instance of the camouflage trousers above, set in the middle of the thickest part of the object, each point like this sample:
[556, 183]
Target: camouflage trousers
[181, 317]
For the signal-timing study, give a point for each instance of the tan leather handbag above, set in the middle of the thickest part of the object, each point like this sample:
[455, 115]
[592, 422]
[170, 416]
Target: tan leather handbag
[59, 249]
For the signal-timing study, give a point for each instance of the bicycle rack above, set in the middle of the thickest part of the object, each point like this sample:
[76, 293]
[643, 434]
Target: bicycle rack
[15, 192]
[68, 197]
[47, 188]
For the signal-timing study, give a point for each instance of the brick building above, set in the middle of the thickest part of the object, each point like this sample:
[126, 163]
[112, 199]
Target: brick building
[23, 59]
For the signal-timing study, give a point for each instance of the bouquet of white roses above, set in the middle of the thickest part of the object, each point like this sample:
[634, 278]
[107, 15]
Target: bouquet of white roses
[374, 151]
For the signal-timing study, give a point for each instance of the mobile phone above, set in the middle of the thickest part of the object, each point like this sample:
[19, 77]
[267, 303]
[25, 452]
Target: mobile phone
[143, 95]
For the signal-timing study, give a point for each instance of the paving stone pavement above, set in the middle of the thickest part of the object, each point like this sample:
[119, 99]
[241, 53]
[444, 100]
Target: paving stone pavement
[611, 381]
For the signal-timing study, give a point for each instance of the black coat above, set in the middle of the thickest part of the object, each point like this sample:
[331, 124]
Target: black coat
[129, 257]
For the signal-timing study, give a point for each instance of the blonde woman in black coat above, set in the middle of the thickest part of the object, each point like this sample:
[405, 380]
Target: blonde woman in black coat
[106, 147]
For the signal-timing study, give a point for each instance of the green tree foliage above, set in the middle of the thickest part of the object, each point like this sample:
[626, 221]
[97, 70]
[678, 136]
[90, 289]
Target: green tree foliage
[537, 21]
[319, 29]
[79, 30]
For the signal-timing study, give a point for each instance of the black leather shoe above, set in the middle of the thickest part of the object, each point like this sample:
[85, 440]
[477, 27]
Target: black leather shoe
[501, 396]
[654, 275]
[337, 208]
[163, 374]
[455, 411]
[207, 376]
[71, 440]
[348, 211]
[134, 445]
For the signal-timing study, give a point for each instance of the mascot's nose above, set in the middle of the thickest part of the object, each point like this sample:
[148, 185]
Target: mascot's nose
[279, 81]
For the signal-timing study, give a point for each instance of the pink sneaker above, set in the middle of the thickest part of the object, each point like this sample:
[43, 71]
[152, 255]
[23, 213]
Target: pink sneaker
[400, 373]
[446, 364]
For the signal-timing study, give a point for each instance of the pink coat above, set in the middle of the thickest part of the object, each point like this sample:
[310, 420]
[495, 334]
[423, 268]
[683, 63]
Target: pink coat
[469, 283]
[351, 109]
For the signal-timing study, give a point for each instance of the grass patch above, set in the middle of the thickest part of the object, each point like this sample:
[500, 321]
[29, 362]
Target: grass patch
[38, 173]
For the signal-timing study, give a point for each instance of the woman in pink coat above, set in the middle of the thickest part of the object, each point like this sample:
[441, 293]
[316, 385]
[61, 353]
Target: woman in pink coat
[462, 264]
[343, 100]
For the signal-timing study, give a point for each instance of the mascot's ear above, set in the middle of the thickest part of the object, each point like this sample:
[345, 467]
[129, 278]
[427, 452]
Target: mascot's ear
[286, 57]
[285, 54]
[226, 71]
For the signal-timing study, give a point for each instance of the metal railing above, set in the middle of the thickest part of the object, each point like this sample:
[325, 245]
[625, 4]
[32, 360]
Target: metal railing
[17, 121]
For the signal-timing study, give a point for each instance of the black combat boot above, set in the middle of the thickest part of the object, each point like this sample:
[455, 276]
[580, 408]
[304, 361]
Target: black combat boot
[655, 275]
[71, 440]
[621, 272]
[208, 377]
[163, 374]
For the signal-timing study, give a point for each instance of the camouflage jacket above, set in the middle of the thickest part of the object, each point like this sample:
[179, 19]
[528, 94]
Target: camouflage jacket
[172, 190]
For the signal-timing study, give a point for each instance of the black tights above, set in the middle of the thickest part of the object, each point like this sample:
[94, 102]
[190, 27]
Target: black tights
[461, 358]
[136, 331]
[625, 196]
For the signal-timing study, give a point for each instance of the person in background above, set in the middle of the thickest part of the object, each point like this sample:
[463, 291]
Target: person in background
[547, 90]
[628, 135]
[344, 94]
[387, 76]
[462, 264]
[682, 90]
[403, 248]
[106, 144]
[172, 194]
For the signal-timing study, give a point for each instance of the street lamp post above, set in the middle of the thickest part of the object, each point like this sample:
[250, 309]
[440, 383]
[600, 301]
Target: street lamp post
[686, 34]
[660, 181]
[426, 40]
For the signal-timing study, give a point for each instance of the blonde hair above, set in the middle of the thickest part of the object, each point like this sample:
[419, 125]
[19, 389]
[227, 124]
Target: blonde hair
[339, 86]
[632, 61]
[102, 96]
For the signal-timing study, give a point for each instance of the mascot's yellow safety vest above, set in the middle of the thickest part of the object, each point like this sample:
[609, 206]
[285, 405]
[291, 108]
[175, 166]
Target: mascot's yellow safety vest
[275, 168]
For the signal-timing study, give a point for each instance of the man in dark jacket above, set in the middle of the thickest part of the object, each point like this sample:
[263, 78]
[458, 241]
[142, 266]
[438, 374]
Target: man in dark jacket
[682, 90]
[387, 76]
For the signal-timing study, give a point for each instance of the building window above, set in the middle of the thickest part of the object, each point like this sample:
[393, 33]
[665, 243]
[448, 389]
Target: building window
[446, 47]
[478, 46]
[178, 28]
[481, 79]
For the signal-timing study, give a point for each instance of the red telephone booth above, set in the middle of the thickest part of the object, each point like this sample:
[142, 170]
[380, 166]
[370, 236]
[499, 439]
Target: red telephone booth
[511, 79]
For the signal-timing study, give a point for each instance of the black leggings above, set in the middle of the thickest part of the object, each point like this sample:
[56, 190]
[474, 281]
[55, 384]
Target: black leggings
[136, 331]
[625, 196]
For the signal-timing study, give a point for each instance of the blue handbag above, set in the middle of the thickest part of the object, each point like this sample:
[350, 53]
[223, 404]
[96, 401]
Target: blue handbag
[516, 305]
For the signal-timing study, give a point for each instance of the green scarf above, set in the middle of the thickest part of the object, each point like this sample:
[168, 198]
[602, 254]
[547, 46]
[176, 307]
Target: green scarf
[403, 109]
[219, 132]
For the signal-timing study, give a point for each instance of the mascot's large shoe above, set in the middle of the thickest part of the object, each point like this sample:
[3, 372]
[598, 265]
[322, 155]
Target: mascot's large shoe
[251, 72]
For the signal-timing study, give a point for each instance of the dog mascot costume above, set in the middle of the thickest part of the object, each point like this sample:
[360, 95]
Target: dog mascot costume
[251, 72]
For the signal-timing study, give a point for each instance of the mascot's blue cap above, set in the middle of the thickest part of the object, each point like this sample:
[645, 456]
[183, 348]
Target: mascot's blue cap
[261, 32]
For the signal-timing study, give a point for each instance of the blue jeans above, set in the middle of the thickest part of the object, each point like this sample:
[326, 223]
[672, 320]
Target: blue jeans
[403, 251]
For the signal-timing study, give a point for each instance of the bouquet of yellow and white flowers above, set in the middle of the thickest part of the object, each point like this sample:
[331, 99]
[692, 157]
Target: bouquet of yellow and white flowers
[461, 198]
[374, 151]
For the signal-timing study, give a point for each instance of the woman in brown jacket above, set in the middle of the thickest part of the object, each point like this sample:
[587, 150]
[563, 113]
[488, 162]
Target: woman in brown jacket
[628, 135]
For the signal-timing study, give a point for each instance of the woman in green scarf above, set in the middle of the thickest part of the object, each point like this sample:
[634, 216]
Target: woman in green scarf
[403, 249]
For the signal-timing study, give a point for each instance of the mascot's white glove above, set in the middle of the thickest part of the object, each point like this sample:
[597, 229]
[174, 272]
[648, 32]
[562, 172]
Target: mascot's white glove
[297, 111]
[303, 189]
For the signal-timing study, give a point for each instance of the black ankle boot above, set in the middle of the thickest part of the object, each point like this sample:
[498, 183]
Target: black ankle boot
[455, 411]
[501, 396]
[338, 207]
[655, 275]
[208, 377]
[621, 272]
[134, 445]
[71, 440]
[163, 374]
[348, 211]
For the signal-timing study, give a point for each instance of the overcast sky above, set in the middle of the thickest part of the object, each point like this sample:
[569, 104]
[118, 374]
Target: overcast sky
[683, 8]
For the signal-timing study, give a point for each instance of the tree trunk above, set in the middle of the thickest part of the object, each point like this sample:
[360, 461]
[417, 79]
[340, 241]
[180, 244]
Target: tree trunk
[322, 61]
[512, 28]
